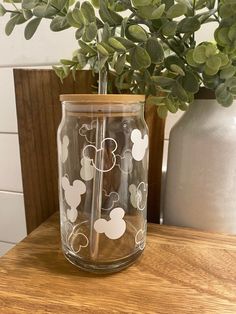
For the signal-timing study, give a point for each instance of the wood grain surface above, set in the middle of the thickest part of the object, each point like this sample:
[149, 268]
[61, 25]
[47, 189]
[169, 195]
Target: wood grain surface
[181, 271]
[39, 114]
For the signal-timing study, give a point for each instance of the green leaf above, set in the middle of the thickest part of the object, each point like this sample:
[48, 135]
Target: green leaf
[155, 50]
[183, 106]
[189, 25]
[199, 54]
[106, 32]
[116, 44]
[59, 72]
[128, 44]
[171, 105]
[210, 50]
[11, 24]
[108, 16]
[95, 3]
[29, 4]
[2, 10]
[149, 12]
[136, 33]
[177, 69]
[176, 10]
[232, 32]
[209, 71]
[228, 72]
[31, 28]
[67, 62]
[87, 49]
[27, 14]
[71, 20]
[59, 23]
[190, 59]
[44, 10]
[221, 36]
[200, 4]
[162, 111]
[120, 64]
[88, 11]
[139, 58]
[102, 50]
[141, 3]
[179, 91]
[214, 62]
[223, 96]
[81, 60]
[163, 81]
[169, 28]
[79, 33]
[90, 32]
[78, 17]
[158, 12]
[58, 4]
[173, 59]
[190, 82]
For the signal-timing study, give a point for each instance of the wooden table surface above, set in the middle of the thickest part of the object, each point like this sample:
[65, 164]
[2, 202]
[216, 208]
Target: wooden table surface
[181, 271]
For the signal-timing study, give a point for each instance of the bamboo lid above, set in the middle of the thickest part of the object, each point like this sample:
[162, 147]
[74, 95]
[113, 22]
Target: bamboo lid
[104, 99]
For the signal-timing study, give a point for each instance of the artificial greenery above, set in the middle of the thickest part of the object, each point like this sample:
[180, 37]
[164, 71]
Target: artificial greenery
[148, 45]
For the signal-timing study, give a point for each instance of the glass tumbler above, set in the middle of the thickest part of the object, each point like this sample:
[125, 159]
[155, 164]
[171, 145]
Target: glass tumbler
[103, 175]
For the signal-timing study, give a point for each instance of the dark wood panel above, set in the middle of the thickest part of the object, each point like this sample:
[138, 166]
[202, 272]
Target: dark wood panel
[156, 143]
[39, 114]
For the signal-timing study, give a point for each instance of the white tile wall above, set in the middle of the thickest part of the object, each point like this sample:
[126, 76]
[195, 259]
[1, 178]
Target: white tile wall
[8, 121]
[12, 212]
[4, 247]
[10, 169]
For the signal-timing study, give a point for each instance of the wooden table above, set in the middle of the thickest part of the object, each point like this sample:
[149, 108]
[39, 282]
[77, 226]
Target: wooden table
[181, 271]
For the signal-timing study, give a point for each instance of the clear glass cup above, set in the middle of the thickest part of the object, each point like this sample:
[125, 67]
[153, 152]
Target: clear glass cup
[103, 175]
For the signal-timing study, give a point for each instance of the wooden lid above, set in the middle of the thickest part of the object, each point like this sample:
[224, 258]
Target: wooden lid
[105, 99]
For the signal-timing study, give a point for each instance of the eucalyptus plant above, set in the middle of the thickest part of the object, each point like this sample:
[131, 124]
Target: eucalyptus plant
[148, 46]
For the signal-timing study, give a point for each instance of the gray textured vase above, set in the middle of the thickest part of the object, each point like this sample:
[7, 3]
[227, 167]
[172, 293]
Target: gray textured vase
[201, 174]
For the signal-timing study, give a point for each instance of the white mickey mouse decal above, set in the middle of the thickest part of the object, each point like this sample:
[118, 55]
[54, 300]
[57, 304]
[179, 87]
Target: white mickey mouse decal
[140, 237]
[113, 228]
[139, 144]
[109, 200]
[133, 195]
[86, 131]
[138, 195]
[87, 170]
[107, 149]
[64, 148]
[73, 196]
[125, 162]
[75, 237]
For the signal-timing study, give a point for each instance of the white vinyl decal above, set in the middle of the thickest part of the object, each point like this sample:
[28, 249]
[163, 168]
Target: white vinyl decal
[108, 145]
[109, 200]
[138, 195]
[64, 148]
[87, 169]
[73, 196]
[86, 130]
[125, 162]
[113, 228]
[140, 237]
[139, 144]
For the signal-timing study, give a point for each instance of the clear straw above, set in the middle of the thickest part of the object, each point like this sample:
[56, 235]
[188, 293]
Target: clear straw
[99, 163]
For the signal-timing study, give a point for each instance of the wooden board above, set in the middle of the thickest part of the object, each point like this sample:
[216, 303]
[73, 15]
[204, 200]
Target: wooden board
[181, 271]
[39, 114]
